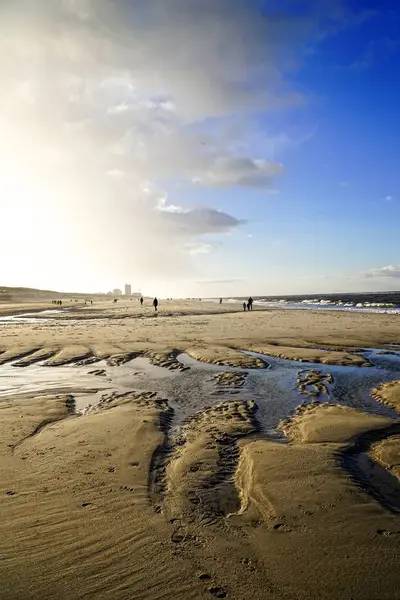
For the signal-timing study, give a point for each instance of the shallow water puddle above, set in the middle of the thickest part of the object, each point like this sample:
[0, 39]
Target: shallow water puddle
[31, 317]
[86, 383]
[386, 359]
[25, 380]
[275, 389]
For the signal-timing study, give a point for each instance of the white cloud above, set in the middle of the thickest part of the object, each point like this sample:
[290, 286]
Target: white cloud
[197, 221]
[390, 271]
[389, 198]
[100, 100]
[118, 108]
[201, 248]
[240, 171]
[115, 173]
[169, 208]
[201, 221]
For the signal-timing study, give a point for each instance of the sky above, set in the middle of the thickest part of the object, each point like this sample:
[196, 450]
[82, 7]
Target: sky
[200, 147]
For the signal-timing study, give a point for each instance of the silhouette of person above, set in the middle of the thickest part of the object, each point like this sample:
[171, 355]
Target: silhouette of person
[244, 306]
[141, 301]
[155, 304]
[220, 300]
[250, 303]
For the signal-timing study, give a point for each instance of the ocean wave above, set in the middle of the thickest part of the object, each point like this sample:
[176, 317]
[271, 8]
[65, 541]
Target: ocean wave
[321, 304]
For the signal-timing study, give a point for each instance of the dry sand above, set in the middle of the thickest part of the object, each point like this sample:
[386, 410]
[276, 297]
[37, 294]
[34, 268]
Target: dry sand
[330, 423]
[108, 506]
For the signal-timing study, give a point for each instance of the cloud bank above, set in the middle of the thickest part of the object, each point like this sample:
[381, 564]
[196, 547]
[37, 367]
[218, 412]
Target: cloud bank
[390, 272]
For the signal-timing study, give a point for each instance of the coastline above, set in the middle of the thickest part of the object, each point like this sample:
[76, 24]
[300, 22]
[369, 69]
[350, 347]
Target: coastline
[186, 324]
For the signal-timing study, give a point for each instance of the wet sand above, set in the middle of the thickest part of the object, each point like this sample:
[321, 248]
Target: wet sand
[387, 451]
[388, 393]
[318, 531]
[124, 503]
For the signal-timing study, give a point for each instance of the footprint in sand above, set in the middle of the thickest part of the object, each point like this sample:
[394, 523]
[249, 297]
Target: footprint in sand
[282, 527]
[195, 467]
[387, 533]
[218, 592]
[248, 563]
[178, 537]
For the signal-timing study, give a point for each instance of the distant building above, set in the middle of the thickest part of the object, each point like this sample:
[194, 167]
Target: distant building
[117, 292]
[128, 289]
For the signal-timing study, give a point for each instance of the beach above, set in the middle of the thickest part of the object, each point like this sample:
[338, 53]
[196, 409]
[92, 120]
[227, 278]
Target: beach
[200, 452]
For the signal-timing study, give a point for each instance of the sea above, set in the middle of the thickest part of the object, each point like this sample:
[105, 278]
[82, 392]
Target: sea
[375, 302]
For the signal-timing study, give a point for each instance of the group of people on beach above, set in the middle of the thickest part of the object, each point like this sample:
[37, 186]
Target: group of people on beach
[248, 305]
[155, 303]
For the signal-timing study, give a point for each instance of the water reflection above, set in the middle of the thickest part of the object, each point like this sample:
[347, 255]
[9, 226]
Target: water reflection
[274, 389]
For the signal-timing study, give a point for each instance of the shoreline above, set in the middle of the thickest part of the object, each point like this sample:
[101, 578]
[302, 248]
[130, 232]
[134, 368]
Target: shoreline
[130, 328]
[206, 306]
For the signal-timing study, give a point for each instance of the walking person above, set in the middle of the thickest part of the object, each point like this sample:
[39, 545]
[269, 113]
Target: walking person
[250, 303]
[141, 301]
[244, 306]
[155, 304]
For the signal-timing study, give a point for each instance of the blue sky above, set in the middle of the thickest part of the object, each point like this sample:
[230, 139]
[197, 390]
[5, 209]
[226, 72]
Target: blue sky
[336, 211]
[211, 149]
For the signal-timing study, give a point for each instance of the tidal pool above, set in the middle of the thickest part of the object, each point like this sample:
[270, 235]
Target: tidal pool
[275, 389]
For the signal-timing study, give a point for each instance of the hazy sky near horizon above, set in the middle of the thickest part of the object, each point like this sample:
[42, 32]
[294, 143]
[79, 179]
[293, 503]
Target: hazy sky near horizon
[200, 147]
